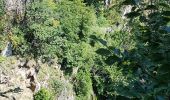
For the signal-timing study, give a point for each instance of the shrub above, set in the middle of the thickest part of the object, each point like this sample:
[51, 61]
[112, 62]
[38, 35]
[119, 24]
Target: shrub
[57, 86]
[43, 94]
[83, 85]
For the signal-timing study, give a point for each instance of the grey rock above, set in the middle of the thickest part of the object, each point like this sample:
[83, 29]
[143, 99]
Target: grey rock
[8, 50]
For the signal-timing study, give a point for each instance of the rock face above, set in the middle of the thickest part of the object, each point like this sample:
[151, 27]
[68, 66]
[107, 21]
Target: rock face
[66, 94]
[20, 80]
[52, 73]
[13, 8]
[126, 10]
[107, 2]
[13, 82]
[8, 50]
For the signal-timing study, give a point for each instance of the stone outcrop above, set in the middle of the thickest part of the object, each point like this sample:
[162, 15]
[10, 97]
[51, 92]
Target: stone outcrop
[13, 81]
[15, 7]
[7, 50]
[20, 79]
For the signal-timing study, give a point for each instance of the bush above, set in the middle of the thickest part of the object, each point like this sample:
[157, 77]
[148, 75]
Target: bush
[43, 94]
[83, 85]
[57, 86]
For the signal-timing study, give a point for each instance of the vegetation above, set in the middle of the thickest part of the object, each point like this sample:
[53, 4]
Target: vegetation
[117, 58]
[43, 94]
[58, 86]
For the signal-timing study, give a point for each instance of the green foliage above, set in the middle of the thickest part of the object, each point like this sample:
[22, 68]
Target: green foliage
[43, 94]
[2, 42]
[1, 7]
[2, 23]
[17, 37]
[144, 61]
[110, 82]
[57, 86]
[54, 28]
[112, 76]
[140, 58]
[2, 59]
[75, 20]
[83, 85]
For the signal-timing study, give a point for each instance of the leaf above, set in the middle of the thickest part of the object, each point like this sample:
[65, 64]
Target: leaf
[151, 7]
[103, 52]
[112, 59]
[132, 14]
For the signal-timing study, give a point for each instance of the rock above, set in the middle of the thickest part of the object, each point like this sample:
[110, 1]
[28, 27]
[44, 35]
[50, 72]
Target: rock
[31, 63]
[20, 82]
[107, 3]
[126, 10]
[38, 87]
[48, 74]
[75, 70]
[67, 92]
[8, 50]
[21, 62]
[15, 88]
[15, 7]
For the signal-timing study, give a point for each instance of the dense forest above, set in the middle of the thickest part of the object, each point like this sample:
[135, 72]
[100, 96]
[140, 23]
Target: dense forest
[108, 49]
